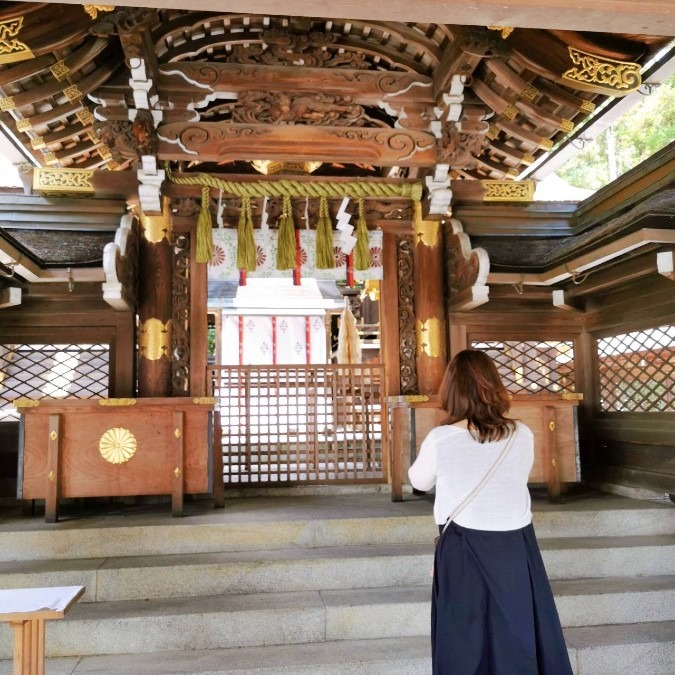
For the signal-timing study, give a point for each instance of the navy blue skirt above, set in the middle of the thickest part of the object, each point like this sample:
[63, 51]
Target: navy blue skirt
[492, 609]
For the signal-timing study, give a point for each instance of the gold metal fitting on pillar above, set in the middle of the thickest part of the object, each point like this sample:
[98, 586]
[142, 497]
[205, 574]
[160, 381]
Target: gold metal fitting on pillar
[426, 232]
[429, 336]
[156, 228]
[154, 339]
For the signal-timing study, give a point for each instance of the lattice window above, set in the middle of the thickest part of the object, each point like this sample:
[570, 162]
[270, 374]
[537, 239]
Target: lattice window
[637, 371]
[35, 371]
[533, 367]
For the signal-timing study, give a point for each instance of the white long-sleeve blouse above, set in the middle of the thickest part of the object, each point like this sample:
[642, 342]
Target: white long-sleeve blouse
[455, 463]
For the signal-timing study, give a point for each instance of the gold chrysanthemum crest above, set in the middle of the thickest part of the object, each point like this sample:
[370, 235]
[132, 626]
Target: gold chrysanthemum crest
[117, 445]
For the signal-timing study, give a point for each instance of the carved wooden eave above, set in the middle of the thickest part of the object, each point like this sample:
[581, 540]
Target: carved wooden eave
[120, 266]
[468, 269]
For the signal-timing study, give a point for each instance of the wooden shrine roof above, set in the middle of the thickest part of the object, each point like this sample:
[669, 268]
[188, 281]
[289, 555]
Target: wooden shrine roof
[96, 87]
[68, 105]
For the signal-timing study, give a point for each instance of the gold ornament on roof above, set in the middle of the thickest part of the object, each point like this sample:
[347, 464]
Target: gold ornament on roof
[587, 106]
[85, 116]
[93, 10]
[7, 103]
[505, 31]
[60, 70]
[117, 445]
[62, 182]
[530, 92]
[11, 48]
[23, 125]
[598, 73]
[508, 190]
[72, 93]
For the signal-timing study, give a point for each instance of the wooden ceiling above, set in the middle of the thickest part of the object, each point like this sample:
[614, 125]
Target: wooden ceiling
[214, 89]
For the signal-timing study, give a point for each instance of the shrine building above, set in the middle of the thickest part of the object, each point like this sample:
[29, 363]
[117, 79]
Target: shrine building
[239, 251]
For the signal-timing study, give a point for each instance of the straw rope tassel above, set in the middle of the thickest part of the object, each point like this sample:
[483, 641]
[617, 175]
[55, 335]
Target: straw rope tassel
[204, 251]
[246, 253]
[362, 252]
[325, 260]
[286, 237]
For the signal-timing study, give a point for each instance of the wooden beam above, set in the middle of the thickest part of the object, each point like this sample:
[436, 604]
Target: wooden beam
[197, 80]
[655, 17]
[222, 141]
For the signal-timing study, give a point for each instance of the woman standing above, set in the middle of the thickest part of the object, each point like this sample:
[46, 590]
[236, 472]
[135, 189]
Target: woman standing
[492, 607]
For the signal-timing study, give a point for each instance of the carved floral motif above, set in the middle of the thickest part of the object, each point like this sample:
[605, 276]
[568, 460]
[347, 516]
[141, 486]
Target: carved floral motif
[180, 339]
[406, 316]
[603, 74]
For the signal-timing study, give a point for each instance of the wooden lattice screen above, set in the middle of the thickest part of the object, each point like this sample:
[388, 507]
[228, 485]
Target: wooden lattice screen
[55, 370]
[637, 371]
[533, 367]
[292, 425]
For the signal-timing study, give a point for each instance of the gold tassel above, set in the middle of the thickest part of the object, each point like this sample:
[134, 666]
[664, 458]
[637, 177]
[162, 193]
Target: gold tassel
[246, 253]
[286, 237]
[204, 237]
[325, 260]
[362, 253]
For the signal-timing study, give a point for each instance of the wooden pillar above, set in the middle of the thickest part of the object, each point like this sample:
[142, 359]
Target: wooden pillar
[154, 304]
[429, 303]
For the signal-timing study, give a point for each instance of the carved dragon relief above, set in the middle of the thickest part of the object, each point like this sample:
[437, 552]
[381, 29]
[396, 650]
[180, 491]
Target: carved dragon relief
[467, 269]
[459, 147]
[129, 140]
[120, 265]
[318, 109]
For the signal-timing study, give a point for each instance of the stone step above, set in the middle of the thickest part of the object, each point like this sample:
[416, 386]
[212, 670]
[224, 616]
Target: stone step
[628, 649]
[302, 522]
[226, 621]
[331, 568]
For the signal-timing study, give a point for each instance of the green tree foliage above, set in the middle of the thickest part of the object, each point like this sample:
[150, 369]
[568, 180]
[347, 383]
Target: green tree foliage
[641, 132]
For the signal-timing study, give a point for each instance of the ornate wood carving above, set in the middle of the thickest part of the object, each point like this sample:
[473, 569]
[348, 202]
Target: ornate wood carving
[11, 48]
[467, 269]
[129, 140]
[406, 315]
[458, 148]
[601, 74]
[180, 347]
[63, 182]
[279, 47]
[508, 191]
[222, 141]
[124, 20]
[198, 79]
[120, 266]
[266, 107]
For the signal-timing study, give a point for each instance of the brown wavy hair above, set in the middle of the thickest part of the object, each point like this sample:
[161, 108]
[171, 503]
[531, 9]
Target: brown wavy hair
[472, 390]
